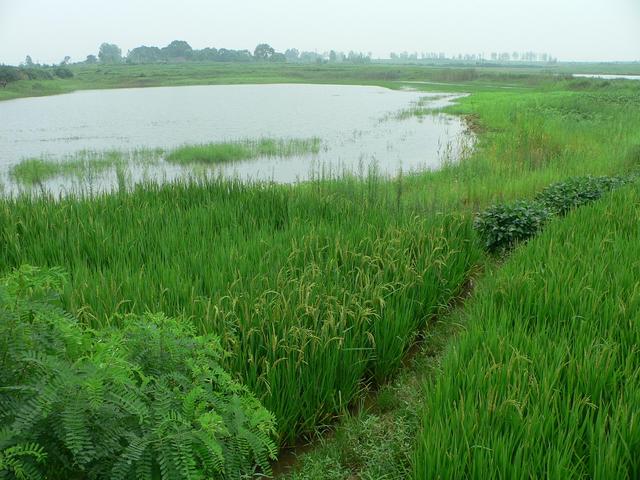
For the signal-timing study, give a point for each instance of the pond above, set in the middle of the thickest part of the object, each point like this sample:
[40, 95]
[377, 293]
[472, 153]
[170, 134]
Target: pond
[358, 127]
[607, 77]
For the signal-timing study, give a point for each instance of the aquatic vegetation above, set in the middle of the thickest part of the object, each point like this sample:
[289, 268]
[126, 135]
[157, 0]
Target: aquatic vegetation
[223, 152]
[420, 108]
[34, 171]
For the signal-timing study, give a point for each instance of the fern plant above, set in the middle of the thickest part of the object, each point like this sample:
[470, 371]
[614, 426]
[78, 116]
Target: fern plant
[146, 401]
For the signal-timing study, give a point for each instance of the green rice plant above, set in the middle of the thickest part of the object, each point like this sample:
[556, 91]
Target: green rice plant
[224, 152]
[149, 401]
[298, 282]
[545, 380]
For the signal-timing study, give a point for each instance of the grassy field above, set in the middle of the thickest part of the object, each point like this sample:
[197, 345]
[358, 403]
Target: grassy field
[432, 78]
[318, 291]
[550, 384]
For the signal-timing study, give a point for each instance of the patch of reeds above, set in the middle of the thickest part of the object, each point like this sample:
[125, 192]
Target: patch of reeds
[223, 152]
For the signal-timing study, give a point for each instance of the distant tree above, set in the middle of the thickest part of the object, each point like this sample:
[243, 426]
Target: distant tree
[310, 57]
[110, 53]
[263, 51]
[206, 55]
[177, 50]
[278, 57]
[91, 60]
[66, 60]
[494, 56]
[292, 54]
[144, 54]
[515, 56]
[225, 55]
[28, 62]
[62, 72]
[356, 57]
[333, 56]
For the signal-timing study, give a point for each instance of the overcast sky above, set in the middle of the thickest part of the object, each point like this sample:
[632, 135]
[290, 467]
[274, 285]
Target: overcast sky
[568, 29]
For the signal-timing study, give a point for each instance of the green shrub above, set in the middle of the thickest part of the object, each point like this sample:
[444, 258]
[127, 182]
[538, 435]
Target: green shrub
[502, 226]
[63, 72]
[9, 74]
[147, 401]
[574, 192]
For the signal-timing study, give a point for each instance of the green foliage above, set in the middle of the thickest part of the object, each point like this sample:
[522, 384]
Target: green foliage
[146, 401]
[13, 74]
[544, 382]
[574, 192]
[109, 53]
[242, 150]
[83, 164]
[502, 226]
[63, 72]
[263, 52]
[298, 281]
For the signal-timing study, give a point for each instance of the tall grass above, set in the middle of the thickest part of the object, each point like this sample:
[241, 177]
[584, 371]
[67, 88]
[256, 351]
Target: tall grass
[223, 152]
[313, 290]
[529, 140]
[545, 381]
[82, 165]
[38, 170]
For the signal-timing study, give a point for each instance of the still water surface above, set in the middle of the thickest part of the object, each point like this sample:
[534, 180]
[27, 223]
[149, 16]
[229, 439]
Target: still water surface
[359, 126]
[607, 77]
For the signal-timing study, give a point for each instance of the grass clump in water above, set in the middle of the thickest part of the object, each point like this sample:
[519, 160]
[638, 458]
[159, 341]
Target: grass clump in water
[224, 152]
[33, 171]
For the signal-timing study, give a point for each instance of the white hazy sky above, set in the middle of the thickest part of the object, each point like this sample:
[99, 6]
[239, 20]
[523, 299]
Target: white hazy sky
[569, 29]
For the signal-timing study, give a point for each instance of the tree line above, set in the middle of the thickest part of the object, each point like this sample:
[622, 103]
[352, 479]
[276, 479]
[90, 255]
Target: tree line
[181, 51]
[502, 57]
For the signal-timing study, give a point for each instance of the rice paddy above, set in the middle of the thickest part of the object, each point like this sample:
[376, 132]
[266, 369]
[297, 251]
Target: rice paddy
[318, 291]
[550, 385]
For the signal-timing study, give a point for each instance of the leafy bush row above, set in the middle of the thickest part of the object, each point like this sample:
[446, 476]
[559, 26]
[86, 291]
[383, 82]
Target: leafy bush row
[504, 225]
[13, 74]
[149, 400]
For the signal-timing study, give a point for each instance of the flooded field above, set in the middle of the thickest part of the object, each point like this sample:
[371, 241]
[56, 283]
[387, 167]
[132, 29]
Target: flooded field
[355, 128]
